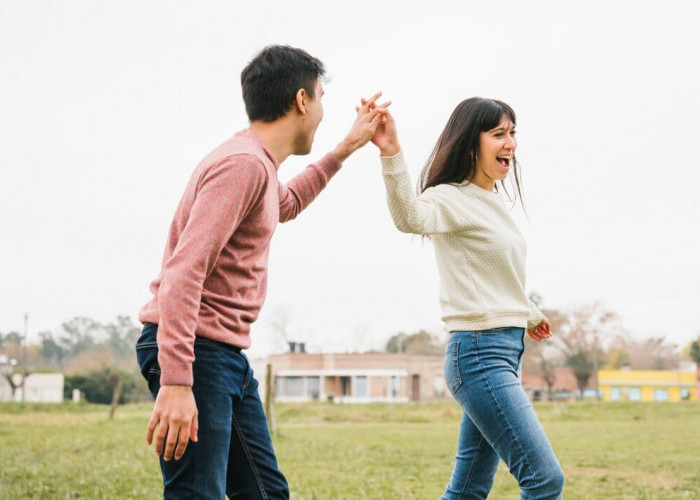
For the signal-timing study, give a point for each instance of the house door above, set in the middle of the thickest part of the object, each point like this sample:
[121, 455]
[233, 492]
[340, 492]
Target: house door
[345, 388]
[415, 387]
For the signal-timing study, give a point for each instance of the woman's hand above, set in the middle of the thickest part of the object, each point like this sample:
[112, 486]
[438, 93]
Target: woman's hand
[385, 137]
[369, 117]
[541, 331]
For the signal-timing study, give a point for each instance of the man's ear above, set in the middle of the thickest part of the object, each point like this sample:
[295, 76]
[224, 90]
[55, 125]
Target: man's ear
[300, 100]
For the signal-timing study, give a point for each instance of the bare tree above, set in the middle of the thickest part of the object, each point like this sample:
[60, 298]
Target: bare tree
[279, 320]
[543, 358]
[580, 333]
[653, 353]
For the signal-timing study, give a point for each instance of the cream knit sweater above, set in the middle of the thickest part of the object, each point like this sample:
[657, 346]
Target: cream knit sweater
[479, 250]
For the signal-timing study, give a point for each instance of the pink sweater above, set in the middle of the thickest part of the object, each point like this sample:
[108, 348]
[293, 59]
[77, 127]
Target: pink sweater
[214, 272]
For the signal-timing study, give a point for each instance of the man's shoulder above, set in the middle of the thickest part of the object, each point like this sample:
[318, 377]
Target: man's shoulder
[238, 151]
[240, 147]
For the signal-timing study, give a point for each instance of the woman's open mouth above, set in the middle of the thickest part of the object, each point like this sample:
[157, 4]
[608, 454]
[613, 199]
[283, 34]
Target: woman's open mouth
[504, 161]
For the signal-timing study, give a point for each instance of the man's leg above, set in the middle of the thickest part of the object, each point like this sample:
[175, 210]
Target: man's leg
[219, 371]
[201, 472]
[253, 472]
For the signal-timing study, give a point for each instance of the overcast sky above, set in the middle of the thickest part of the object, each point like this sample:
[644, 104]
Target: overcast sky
[107, 107]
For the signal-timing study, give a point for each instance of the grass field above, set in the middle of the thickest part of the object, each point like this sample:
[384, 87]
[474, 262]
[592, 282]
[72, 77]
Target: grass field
[379, 451]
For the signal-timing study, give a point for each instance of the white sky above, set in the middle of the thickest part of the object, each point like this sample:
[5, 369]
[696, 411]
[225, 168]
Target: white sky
[106, 107]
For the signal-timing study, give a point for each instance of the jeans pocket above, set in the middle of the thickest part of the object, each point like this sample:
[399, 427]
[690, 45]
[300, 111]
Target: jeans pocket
[453, 377]
[147, 358]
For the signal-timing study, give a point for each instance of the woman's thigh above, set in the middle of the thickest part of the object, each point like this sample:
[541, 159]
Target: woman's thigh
[487, 385]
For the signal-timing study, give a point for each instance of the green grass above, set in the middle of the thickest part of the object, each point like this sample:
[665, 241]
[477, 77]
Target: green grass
[378, 451]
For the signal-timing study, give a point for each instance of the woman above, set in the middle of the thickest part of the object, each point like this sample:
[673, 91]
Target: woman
[481, 261]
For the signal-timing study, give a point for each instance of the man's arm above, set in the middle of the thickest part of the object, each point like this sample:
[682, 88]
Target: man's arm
[225, 195]
[298, 193]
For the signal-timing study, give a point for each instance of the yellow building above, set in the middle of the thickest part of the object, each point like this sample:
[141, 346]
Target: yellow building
[647, 385]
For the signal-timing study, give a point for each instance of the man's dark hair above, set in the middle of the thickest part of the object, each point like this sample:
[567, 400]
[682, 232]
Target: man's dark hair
[271, 80]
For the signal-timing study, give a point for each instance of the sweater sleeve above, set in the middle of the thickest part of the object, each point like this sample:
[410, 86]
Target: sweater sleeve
[535, 316]
[225, 194]
[428, 213]
[298, 193]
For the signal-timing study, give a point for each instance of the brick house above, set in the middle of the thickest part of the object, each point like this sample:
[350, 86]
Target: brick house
[358, 377]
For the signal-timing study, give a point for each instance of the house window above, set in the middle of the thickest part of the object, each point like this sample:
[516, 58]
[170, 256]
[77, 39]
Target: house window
[660, 394]
[313, 387]
[393, 386]
[685, 394]
[614, 394]
[290, 386]
[361, 389]
[635, 394]
[439, 386]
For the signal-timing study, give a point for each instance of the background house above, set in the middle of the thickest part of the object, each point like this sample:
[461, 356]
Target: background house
[358, 378]
[647, 385]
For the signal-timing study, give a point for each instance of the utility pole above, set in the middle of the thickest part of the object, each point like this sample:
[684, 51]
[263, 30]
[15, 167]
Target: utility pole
[24, 357]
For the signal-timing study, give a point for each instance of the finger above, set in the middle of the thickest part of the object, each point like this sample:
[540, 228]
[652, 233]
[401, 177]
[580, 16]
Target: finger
[357, 109]
[375, 96]
[152, 423]
[533, 337]
[182, 442]
[385, 104]
[160, 436]
[194, 429]
[376, 120]
[170, 443]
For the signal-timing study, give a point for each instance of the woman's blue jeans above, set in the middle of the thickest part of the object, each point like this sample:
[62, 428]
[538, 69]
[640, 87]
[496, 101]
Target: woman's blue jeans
[498, 422]
[233, 455]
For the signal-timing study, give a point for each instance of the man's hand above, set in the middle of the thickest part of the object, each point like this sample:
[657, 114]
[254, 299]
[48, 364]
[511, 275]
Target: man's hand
[369, 117]
[541, 331]
[175, 415]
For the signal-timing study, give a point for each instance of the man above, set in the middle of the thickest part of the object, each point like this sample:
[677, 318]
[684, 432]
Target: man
[208, 415]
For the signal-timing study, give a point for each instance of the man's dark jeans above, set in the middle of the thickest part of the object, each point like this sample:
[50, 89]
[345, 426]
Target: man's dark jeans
[234, 454]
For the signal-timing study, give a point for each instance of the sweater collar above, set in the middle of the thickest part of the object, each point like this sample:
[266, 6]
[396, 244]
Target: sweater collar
[473, 189]
[250, 135]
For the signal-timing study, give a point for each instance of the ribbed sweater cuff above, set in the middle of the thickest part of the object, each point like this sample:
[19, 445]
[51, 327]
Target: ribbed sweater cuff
[176, 374]
[392, 165]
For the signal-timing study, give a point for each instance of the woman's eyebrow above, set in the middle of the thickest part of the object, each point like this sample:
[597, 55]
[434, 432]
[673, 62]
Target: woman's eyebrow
[501, 129]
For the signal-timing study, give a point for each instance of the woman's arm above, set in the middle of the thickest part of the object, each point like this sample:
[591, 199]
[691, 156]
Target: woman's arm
[428, 213]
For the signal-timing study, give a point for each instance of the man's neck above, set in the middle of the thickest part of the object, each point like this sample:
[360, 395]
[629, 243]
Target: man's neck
[278, 137]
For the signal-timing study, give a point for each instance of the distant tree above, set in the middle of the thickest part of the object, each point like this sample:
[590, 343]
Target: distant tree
[122, 336]
[580, 334]
[279, 320]
[542, 357]
[101, 386]
[50, 350]
[420, 342]
[79, 333]
[617, 356]
[694, 350]
[653, 353]
[10, 338]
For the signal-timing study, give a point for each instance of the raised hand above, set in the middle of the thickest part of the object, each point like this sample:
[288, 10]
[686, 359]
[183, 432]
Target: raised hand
[369, 117]
[385, 137]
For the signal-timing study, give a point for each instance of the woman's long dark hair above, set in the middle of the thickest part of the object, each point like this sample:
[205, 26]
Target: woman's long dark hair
[453, 160]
